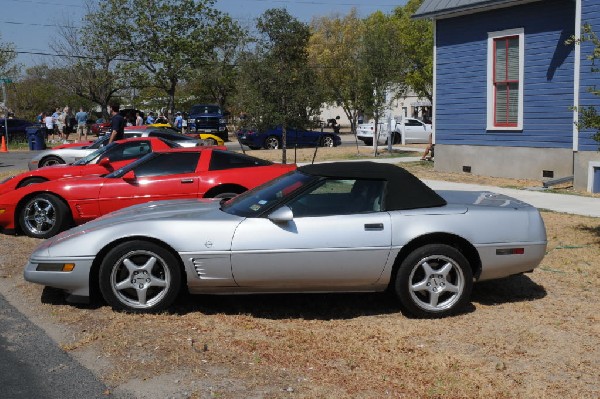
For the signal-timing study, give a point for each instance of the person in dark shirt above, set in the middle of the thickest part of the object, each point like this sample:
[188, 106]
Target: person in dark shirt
[117, 124]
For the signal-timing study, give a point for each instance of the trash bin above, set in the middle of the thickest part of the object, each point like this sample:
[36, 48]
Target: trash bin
[36, 137]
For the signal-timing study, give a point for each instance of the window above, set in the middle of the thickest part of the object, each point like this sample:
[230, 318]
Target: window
[129, 150]
[505, 80]
[168, 164]
[222, 160]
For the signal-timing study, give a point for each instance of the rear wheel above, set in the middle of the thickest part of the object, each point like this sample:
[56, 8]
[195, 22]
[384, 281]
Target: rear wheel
[272, 143]
[434, 281]
[51, 160]
[327, 141]
[368, 141]
[43, 216]
[211, 141]
[140, 276]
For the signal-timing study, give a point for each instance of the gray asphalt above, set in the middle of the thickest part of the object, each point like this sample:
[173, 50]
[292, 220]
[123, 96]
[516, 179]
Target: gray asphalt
[33, 366]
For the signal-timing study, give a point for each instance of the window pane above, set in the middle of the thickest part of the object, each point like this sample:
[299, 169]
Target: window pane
[500, 66]
[501, 93]
[513, 59]
[513, 103]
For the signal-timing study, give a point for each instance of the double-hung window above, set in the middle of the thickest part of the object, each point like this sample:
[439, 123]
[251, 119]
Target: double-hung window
[505, 80]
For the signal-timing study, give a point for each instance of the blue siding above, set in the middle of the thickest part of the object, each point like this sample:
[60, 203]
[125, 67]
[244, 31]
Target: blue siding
[461, 72]
[590, 13]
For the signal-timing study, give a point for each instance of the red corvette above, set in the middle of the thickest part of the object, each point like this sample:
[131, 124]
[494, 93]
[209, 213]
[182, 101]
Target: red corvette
[42, 210]
[104, 160]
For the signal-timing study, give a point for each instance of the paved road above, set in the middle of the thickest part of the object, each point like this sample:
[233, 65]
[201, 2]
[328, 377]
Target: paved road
[33, 366]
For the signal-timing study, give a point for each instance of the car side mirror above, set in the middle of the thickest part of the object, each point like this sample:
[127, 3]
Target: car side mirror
[104, 162]
[129, 176]
[281, 215]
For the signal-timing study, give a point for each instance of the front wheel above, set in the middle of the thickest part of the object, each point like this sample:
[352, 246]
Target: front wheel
[434, 281]
[272, 143]
[327, 141]
[43, 216]
[140, 276]
[51, 160]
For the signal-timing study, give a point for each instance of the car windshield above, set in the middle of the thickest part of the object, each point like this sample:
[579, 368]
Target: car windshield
[205, 109]
[253, 202]
[99, 142]
[93, 156]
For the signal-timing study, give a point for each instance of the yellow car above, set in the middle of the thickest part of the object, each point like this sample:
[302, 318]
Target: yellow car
[211, 139]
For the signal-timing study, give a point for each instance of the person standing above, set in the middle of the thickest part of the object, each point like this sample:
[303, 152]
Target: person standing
[62, 125]
[49, 122]
[178, 121]
[81, 118]
[117, 124]
[138, 119]
[150, 118]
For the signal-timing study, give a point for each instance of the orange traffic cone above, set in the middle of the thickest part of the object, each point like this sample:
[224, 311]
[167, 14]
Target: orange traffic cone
[3, 149]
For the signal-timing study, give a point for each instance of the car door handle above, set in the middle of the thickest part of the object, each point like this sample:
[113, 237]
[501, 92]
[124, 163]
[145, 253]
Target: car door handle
[187, 181]
[373, 226]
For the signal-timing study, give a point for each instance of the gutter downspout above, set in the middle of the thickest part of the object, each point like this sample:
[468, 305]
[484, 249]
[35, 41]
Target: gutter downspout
[576, 80]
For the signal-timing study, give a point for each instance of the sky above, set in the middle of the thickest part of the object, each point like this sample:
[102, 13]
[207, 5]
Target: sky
[31, 25]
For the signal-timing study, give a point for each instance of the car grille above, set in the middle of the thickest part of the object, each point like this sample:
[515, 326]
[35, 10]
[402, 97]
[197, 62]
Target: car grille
[207, 123]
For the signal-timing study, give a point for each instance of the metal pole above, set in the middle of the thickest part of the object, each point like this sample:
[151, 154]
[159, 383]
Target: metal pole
[6, 112]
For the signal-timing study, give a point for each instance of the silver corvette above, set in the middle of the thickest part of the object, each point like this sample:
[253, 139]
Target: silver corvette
[73, 153]
[340, 227]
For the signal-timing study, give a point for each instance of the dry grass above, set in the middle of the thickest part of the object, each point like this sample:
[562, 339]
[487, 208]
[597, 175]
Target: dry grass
[528, 336]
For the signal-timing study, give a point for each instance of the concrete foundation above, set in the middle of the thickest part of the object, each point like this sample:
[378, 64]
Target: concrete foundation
[511, 162]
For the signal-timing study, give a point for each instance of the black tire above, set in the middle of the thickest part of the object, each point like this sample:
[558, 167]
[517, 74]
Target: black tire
[43, 216]
[140, 277]
[327, 141]
[253, 147]
[368, 141]
[396, 138]
[211, 141]
[272, 143]
[434, 281]
[227, 195]
[51, 160]
[30, 181]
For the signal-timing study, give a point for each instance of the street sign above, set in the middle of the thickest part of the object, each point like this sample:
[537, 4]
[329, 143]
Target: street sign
[5, 80]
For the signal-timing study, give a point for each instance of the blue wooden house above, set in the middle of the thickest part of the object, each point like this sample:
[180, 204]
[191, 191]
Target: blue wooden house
[506, 86]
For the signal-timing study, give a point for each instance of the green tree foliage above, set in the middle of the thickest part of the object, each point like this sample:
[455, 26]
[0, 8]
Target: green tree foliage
[416, 40]
[588, 116]
[277, 86]
[334, 51]
[8, 68]
[167, 39]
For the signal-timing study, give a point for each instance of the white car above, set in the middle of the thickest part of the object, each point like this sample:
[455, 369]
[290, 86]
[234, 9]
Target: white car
[403, 131]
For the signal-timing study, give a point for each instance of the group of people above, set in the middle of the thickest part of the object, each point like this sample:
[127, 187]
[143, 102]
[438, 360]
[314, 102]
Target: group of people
[60, 123]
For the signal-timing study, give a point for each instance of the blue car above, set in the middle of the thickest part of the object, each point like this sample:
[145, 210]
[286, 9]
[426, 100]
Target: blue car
[271, 139]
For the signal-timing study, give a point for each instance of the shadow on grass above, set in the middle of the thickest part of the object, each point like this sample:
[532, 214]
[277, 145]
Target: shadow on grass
[338, 306]
[518, 288]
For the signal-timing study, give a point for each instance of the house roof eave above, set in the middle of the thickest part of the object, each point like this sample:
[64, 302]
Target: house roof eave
[428, 10]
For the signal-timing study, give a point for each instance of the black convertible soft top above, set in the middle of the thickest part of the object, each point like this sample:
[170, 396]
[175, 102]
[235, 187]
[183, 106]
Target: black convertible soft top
[403, 189]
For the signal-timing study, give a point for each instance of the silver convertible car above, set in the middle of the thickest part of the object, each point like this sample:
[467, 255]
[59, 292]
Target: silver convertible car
[339, 227]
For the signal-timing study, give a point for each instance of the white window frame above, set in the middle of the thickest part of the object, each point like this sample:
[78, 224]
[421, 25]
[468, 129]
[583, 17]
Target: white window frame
[520, 32]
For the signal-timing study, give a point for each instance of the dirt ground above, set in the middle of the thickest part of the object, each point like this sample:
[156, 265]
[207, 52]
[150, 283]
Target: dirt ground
[529, 336]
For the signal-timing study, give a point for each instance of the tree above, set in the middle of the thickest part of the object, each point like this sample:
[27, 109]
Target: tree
[8, 68]
[334, 51]
[167, 39]
[416, 49]
[380, 63]
[277, 86]
[588, 116]
[92, 56]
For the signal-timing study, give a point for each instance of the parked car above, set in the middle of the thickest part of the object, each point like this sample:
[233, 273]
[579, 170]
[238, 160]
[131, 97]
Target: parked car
[16, 128]
[272, 138]
[208, 118]
[101, 161]
[69, 153]
[209, 139]
[403, 131]
[348, 226]
[44, 209]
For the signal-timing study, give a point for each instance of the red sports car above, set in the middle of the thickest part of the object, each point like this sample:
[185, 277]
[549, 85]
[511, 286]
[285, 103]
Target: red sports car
[42, 210]
[104, 160]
